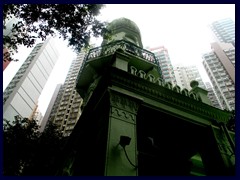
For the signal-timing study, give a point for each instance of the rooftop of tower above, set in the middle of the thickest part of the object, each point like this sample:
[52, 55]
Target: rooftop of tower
[124, 29]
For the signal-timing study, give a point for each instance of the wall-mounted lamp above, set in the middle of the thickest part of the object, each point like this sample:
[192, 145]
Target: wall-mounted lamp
[124, 141]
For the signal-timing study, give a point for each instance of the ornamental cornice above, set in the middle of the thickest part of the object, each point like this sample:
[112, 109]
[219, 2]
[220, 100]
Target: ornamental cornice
[169, 96]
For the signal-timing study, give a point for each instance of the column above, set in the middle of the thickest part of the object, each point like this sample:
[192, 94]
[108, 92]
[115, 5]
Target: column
[122, 122]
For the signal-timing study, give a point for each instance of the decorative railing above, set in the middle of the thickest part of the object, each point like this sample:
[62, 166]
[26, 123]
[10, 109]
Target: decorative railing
[126, 46]
[123, 45]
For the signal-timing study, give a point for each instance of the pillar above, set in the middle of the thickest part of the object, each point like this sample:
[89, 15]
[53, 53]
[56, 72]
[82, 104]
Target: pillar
[122, 122]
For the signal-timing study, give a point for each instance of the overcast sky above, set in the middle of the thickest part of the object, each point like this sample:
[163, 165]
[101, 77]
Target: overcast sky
[181, 28]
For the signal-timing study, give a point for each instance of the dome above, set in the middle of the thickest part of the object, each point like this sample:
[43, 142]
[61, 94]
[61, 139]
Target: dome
[123, 23]
[124, 29]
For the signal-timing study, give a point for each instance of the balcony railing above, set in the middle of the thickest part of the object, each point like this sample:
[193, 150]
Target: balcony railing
[125, 46]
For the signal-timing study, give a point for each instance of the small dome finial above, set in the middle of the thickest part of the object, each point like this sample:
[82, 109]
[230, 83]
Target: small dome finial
[194, 83]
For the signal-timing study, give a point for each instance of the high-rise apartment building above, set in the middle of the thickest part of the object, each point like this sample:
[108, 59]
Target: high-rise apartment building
[185, 74]
[161, 54]
[220, 67]
[22, 93]
[224, 30]
[212, 96]
[51, 108]
[67, 107]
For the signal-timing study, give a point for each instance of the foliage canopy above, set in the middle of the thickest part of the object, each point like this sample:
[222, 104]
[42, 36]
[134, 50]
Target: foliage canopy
[73, 22]
[27, 151]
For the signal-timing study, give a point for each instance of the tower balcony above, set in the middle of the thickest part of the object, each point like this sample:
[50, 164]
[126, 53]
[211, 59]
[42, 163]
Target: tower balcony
[99, 58]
